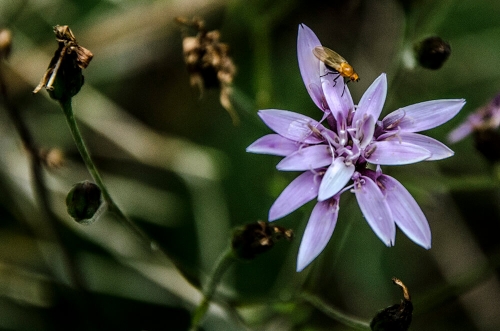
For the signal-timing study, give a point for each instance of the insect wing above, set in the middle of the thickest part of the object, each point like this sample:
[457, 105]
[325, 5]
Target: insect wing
[329, 57]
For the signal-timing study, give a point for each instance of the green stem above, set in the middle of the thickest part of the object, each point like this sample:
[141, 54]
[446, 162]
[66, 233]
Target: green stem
[334, 313]
[221, 266]
[82, 148]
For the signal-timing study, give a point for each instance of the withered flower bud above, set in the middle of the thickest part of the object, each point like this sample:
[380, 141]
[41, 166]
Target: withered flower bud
[208, 62]
[63, 78]
[83, 202]
[432, 52]
[5, 43]
[257, 238]
[397, 317]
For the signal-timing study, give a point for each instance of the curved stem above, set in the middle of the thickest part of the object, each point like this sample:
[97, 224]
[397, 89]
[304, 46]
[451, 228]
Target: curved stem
[345, 319]
[82, 148]
[221, 266]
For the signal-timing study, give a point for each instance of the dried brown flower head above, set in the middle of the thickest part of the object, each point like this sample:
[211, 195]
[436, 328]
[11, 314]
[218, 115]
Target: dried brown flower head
[63, 78]
[396, 317]
[208, 62]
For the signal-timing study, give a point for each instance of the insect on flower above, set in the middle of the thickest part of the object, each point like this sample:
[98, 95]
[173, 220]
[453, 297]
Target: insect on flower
[336, 63]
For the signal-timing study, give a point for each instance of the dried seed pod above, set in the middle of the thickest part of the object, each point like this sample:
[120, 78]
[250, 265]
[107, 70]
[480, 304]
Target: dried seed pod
[396, 317]
[257, 238]
[208, 62]
[63, 78]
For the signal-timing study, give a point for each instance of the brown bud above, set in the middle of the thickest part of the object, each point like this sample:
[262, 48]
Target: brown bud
[432, 52]
[396, 317]
[83, 202]
[257, 238]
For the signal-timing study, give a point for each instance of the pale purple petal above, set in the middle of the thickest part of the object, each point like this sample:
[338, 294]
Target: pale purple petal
[438, 150]
[374, 207]
[335, 178]
[309, 64]
[337, 95]
[293, 126]
[459, 133]
[301, 190]
[307, 158]
[366, 132]
[373, 99]
[395, 153]
[406, 212]
[273, 144]
[318, 231]
[423, 116]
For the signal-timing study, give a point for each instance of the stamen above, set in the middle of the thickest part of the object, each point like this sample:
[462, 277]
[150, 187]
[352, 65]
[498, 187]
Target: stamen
[369, 152]
[394, 124]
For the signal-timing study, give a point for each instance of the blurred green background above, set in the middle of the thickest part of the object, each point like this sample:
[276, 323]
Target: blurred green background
[176, 165]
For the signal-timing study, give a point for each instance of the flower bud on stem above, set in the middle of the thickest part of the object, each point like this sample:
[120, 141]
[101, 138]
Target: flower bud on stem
[82, 148]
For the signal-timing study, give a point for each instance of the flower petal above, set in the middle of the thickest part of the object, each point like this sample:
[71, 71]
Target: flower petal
[406, 212]
[373, 100]
[374, 207]
[395, 153]
[366, 131]
[293, 126]
[301, 190]
[307, 158]
[459, 133]
[318, 231]
[335, 178]
[337, 95]
[438, 150]
[309, 64]
[273, 144]
[424, 115]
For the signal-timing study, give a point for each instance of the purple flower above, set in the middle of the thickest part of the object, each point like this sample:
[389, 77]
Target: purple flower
[334, 156]
[483, 119]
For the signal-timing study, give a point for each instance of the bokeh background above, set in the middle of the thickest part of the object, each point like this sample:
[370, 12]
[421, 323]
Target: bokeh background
[177, 166]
